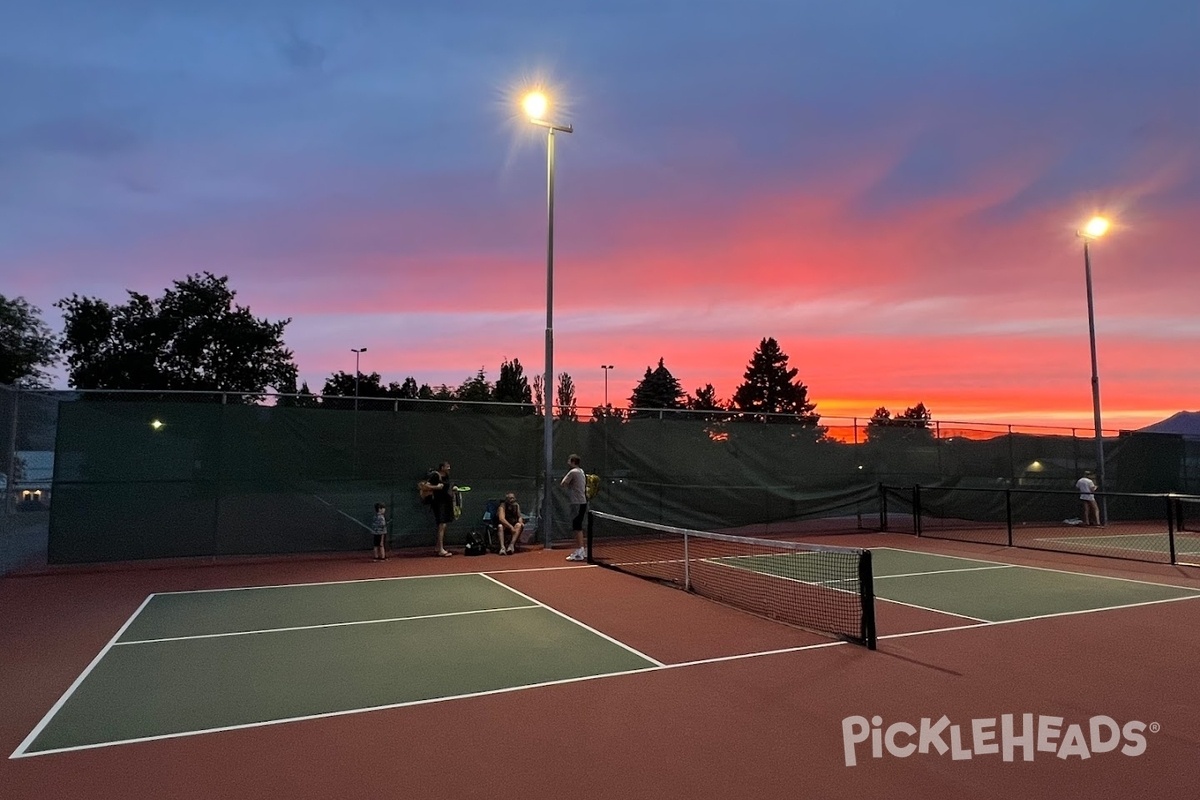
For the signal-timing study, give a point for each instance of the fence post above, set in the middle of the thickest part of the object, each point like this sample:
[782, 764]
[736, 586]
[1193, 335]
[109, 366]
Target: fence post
[883, 518]
[1008, 514]
[10, 475]
[916, 504]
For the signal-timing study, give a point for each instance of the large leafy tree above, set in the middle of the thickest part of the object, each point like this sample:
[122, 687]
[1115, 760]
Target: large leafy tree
[339, 389]
[770, 387]
[657, 389]
[26, 345]
[476, 389]
[912, 424]
[194, 337]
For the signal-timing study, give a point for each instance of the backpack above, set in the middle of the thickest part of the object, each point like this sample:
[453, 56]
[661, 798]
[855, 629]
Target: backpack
[475, 545]
[591, 486]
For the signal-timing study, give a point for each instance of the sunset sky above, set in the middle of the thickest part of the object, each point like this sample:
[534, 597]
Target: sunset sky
[891, 190]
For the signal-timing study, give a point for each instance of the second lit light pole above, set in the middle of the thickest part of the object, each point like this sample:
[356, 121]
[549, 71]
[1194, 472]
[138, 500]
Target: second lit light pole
[606, 368]
[536, 105]
[1094, 229]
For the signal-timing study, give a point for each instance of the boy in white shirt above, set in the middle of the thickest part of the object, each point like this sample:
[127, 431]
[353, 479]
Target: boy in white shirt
[575, 482]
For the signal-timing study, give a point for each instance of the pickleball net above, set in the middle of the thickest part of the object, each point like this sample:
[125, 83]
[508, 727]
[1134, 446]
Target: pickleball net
[823, 589]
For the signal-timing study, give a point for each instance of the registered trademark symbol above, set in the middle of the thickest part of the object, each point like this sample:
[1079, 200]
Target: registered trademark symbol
[1155, 727]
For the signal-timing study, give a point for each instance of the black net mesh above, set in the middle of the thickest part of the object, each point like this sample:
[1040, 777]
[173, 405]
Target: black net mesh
[823, 589]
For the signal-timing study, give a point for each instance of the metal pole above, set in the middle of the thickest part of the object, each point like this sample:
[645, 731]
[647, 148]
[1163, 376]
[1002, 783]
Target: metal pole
[1087, 269]
[10, 476]
[356, 375]
[548, 378]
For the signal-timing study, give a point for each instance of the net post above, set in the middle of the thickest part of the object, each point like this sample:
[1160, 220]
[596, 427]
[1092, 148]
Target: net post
[591, 519]
[1008, 514]
[866, 590]
[687, 577]
[1171, 527]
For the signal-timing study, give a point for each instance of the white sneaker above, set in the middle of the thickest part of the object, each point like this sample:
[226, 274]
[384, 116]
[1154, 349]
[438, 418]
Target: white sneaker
[578, 555]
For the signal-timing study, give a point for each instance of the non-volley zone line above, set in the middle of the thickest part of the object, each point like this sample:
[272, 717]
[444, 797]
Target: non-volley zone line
[164, 678]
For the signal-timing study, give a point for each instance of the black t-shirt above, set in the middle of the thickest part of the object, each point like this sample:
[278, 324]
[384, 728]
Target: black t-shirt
[512, 512]
[441, 489]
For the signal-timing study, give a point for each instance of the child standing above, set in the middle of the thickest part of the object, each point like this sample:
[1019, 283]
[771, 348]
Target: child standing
[379, 532]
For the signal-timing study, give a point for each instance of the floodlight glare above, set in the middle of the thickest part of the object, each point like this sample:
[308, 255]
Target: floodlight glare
[535, 105]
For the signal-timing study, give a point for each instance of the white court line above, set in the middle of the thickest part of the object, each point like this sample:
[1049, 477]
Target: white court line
[366, 580]
[942, 571]
[987, 624]
[323, 625]
[941, 611]
[37, 730]
[328, 714]
[1048, 569]
[574, 621]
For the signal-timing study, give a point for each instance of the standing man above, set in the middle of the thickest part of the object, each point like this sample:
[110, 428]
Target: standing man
[1087, 499]
[442, 500]
[575, 482]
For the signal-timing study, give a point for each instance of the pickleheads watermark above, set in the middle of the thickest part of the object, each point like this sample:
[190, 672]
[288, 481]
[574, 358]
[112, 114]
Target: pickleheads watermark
[1006, 736]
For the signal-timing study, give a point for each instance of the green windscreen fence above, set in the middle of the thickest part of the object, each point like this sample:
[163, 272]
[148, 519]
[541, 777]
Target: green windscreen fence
[167, 476]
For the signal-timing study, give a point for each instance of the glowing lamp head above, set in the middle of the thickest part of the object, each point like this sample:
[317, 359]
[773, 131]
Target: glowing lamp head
[535, 105]
[156, 425]
[1095, 227]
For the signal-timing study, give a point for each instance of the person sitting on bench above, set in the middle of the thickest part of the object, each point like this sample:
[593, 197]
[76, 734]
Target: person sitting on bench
[508, 519]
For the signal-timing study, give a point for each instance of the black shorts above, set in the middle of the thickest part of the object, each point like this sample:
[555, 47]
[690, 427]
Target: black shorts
[443, 512]
[580, 513]
[378, 539]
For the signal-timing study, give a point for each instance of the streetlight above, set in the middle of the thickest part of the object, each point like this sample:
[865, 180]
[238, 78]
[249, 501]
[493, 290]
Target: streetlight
[606, 368]
[536, 104]
[1094, 229]
[357, 352]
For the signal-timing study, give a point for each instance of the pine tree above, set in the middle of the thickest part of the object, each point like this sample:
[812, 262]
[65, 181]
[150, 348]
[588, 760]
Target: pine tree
[770, 388]
[657, 389]
[705, 400]
[566, 397]
[512, 387]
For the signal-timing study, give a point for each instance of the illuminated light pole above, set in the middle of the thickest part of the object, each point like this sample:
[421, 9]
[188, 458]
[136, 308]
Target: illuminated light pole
[1094, 229]
[536, 104]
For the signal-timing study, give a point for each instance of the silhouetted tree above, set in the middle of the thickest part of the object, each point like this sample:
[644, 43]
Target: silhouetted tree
[512, 387]
[26, 345]
[913, 424]
[770, 387]
[566, 398]
[339, 390]
[705, 400]
[194, 337]
[657, 389]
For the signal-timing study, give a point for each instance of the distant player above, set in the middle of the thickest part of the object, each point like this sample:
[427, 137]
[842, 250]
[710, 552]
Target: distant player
[379, 532]
[575, 482]
[1087, 499]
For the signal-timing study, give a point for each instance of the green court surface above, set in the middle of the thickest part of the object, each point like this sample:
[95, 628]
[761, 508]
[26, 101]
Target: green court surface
[995, 592]
[1185, 543]
[213, 660]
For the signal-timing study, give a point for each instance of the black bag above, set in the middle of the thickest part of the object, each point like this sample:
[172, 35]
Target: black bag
[475, 545]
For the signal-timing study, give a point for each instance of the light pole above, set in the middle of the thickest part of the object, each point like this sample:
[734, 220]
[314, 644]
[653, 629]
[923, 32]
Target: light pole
[1094, 229]
[357, 352]
[536, 105]
[607, 409]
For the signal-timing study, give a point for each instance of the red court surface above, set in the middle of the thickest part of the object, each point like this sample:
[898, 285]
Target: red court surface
[715, 723]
